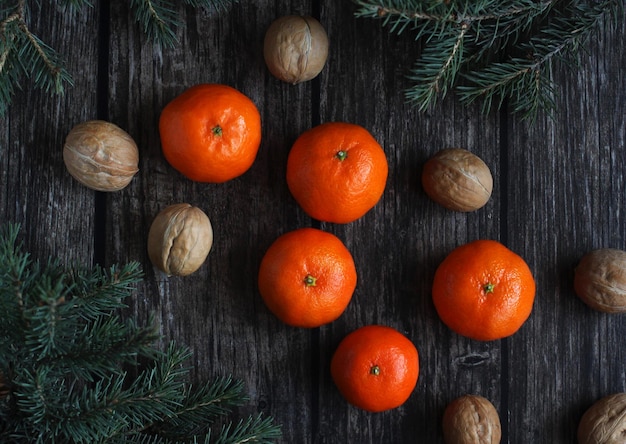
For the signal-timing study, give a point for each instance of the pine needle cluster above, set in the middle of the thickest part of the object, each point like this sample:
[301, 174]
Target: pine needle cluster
[492, 50]
[24, 55]
[73, 371]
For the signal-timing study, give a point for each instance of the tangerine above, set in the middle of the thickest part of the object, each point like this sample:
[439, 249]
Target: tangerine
[375, 368]
[483, 290]
[336, 172]
[307, 277]
[210, 133]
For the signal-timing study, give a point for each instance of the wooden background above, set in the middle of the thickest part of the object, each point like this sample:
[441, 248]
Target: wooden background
[559, 192]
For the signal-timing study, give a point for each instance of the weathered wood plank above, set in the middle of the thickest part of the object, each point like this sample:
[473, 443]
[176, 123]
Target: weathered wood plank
[55, 211]
[561, 205]
[399, 244]
[559, 192]
[217, 311]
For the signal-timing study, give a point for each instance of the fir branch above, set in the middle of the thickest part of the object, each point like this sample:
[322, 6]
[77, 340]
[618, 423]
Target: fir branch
[105, 345]
[48, 322]
[527, 86]
[201, 407]
[158, 19]
[36, 392]
[107, 410]
[527, 81]
[429, 18]
[74, 374]
[42, 63]
[96, 291]
[15, 276]
[254, 430]
[530, 34]
[457, 34]
[65, 308]
[436, 70]
[24, 55]
[10, 71]
[210, 4]
[75, 5]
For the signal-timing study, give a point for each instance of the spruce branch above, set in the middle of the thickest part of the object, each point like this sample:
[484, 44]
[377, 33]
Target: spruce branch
[158, 20]
[201, 407]
[437, 69]
[72, 370]
[492, 50]
[254, 429]
[75, 5]
[102, 345]
[25, 56]
[527, 81]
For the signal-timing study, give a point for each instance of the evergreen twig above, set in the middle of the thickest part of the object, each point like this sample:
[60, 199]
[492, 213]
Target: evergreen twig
[494, 50]
[23, 55]
[67, 363]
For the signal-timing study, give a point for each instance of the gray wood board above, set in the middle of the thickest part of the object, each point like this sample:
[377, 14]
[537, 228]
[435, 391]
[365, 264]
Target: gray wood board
[559, 192]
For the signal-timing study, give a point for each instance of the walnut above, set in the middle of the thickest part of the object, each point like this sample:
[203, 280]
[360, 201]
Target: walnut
[604, 422]
[457, 179]
[600, 280]
[180, 239]
[295, 48]
[100, 155]
[471, 419]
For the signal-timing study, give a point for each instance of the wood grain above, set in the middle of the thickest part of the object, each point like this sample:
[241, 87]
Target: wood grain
[558, 192]
[55, 212]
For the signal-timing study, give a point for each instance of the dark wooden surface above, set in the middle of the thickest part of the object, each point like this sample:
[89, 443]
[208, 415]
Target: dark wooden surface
[559, 192]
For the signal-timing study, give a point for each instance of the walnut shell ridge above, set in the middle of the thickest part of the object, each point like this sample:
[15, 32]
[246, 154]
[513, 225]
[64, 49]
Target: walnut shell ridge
[180, 239]
[604, 422]
[295, 48]
[457, 179]
[471, 419]
[600, 280]
[100, 155]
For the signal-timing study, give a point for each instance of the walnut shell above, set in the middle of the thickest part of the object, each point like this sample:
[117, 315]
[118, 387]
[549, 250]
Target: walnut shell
[295, 48]
[604, 422]
[471, 419]
[600, 280]
[457, 179]
[180, 239]
[101, 155]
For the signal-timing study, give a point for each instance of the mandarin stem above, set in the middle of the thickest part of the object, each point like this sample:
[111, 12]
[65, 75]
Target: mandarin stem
[488, 287]
[217, 130]
[310, 281]
[375, 370]
[341, 155]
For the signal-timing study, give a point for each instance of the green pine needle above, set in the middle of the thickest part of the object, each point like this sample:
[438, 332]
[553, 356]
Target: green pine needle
[25, 56]
[215, 4]
[436, 70]
[254, 429]
[159, 19]
[73, 371]
[498, 51]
